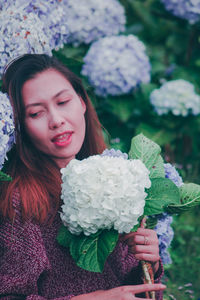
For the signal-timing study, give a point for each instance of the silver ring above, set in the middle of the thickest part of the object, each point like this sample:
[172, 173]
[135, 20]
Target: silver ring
[146, 240]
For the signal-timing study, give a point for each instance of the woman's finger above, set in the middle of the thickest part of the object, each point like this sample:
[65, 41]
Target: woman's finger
[142, 298]
[144, 240]
[126, 236]
[140, 240]
[145, 249]
[145, 231]
[147, 257]
[143, 223]
[137, 289]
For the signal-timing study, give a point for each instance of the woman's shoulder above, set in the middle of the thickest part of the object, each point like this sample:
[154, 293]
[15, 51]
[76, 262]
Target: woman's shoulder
[15, 203]
[16, 200]
[17, 230]
[25, 231]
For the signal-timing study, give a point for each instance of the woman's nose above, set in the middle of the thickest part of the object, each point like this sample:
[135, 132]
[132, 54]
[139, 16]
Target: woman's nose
[55, 120]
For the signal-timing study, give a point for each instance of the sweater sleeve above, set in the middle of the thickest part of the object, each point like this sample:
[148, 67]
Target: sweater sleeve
[124, 263]
[136, 277]
[129, 269]
[22, 258]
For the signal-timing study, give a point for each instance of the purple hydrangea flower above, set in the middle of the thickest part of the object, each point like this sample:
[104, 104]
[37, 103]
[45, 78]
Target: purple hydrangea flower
[177, 96]
[21, 33]
[171, 173]
[185, 9]
[116, 65]
[6, 127]
[89, 20]
[114, 153]
[165, 236]
[163, 228]
[52, 14]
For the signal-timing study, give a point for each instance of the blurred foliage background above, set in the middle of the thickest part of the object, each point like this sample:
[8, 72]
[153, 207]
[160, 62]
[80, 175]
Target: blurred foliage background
[173, 46]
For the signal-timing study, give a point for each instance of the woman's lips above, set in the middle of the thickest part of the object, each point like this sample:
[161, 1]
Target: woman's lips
[62, 139]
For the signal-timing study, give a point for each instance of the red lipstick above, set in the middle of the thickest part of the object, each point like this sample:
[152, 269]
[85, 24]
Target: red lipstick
[62, 139]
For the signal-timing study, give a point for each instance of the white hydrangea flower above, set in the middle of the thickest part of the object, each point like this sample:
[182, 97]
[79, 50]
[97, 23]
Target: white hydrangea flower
[116, 65]
[103, 192]
[21, 33]
[177, 96]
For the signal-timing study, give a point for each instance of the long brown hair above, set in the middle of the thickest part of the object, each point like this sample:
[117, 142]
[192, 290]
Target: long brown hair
[34, 174]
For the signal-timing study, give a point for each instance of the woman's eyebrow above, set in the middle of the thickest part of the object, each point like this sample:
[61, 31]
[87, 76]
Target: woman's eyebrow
[59, 93]
[33, 104]
[54, 97]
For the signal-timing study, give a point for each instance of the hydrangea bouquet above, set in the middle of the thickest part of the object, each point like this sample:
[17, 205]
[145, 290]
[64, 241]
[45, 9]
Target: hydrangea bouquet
[104, 196]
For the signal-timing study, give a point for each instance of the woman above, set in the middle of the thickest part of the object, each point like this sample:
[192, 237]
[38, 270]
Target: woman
[55, 122]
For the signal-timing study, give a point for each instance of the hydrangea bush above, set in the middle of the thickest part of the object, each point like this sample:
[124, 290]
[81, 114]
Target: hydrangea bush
[89, 20]
[97, 194]
[52, 14]
[186, 9]
[6, 127]
[116, 65]
[177, 96]
[21, 33]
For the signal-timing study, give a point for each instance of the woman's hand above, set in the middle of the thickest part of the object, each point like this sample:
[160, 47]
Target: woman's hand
[144, 245]
[121, 293]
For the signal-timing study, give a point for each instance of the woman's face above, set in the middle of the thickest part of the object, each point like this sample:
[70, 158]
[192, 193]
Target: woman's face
[54, 116]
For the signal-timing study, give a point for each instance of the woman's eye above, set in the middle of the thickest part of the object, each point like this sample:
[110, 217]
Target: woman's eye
[34, 115]
[63, 102]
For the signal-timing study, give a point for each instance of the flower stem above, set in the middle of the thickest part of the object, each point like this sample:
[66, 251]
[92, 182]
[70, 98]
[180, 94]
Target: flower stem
[148, 270]
[148, 277]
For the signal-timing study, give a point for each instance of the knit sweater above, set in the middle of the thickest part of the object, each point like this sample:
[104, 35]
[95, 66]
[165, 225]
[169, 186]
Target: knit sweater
[34, 266]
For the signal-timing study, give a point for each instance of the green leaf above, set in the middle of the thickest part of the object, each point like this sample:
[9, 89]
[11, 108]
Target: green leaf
[151, 222]
[147, 89]
[4, 177]
[161, 194]
[122, 107]
[64, 237]
[135, 228]
[157, 170]
[190, 197]
[72, 52]
[91, 252]
[74, 64]
[144, 149]
[148, 152]
[160, 136]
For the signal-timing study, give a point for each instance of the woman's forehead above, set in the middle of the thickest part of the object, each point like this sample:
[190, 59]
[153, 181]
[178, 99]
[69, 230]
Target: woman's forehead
[45, 85]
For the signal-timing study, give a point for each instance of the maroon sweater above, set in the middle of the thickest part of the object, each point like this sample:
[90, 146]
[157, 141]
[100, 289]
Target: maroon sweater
[34, 266]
